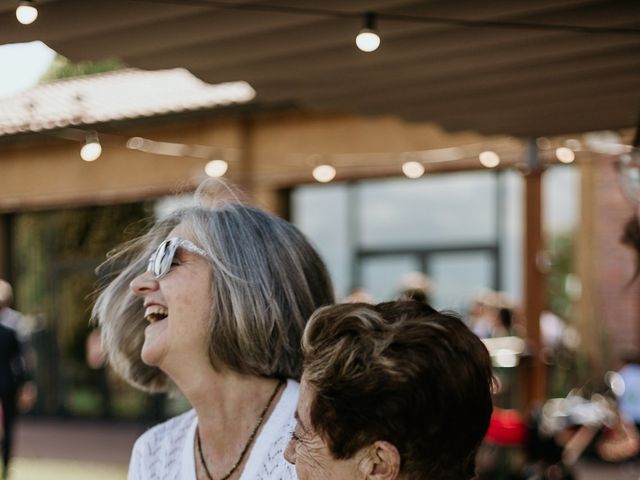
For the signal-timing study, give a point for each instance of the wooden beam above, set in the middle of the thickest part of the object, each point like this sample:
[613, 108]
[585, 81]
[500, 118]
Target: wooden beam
[247, 167]
[534, 382]
[6, 236]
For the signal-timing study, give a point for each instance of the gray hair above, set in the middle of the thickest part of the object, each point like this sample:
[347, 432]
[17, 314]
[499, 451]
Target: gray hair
[267, 281]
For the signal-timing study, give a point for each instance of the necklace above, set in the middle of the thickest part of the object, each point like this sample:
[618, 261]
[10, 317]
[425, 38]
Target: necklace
[246, 445]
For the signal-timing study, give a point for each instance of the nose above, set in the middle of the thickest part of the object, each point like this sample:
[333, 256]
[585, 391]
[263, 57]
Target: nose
[144, 284]
[290, 452]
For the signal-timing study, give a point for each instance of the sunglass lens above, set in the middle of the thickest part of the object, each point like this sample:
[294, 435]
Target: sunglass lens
[163, 259]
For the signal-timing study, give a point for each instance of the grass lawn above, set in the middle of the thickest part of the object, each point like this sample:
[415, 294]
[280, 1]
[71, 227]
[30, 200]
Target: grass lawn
[46, 469]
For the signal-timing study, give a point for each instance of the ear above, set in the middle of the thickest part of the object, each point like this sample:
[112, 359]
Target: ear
[381, 461]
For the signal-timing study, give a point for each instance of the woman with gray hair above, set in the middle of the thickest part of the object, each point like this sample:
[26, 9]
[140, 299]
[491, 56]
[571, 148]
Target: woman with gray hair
[213, 300]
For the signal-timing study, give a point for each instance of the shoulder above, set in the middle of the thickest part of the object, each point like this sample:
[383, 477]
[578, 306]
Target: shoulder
[159, 449]
[167, 433]
[10, 318]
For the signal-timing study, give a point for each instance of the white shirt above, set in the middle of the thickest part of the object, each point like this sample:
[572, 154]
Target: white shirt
[629, 402]
[167, 450]
[13, 319]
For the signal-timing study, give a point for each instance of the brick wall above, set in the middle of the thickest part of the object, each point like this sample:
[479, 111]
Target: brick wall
[618, 306]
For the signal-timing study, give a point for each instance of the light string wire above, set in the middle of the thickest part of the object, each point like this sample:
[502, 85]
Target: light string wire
[427, 19]
[505, 148]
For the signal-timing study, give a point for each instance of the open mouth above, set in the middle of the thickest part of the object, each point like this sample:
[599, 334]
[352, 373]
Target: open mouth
[153, 317]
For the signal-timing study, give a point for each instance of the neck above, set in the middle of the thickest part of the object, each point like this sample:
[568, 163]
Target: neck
[228, 406]
[227, 398]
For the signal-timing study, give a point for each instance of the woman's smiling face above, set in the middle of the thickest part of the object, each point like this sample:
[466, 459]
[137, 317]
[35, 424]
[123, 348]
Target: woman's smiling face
[178, 306]
[309, 452]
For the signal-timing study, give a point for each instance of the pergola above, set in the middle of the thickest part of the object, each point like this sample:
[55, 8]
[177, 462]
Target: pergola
[529, 68]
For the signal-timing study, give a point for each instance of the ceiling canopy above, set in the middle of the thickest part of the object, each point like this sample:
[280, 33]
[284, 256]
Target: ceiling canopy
[525, 68]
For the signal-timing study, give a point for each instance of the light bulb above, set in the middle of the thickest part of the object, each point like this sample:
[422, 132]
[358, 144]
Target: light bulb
[367, 40]
[573, 143]
[489, 159]
[26, 12]
[543, 143]
[324, 173]
[413, 169]
[135, 143]
[216, 168]
[91, 151]
[565, 154]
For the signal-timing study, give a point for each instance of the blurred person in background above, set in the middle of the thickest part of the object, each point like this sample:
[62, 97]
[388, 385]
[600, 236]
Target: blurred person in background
[11, 380]
[629, 396]
[416, 286]
[17, 394]
[358, 295]
[8, 316]
[483, 313]
[390, 391]
[96, 359]
[213, 300]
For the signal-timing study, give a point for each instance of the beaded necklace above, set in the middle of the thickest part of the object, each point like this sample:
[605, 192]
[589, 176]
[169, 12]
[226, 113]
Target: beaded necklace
[246, 445]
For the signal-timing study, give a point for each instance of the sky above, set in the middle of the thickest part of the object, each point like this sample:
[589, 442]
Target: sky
[22, 64]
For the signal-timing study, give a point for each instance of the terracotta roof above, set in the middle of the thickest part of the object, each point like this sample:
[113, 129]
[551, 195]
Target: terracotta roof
[119, 95]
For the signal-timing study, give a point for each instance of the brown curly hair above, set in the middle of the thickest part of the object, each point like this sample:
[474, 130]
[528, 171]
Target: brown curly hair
[403, 373]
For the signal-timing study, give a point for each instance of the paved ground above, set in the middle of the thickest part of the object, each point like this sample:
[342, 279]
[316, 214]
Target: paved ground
[43, 469]
[597, 471]
[106, 442]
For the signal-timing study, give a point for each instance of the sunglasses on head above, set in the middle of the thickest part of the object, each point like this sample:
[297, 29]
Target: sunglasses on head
[160, 261]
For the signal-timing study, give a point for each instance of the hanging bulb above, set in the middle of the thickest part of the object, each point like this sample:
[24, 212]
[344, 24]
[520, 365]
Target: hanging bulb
[135, 143]
[92, 149]
[543, 143]
[216, 168]
[413, 169]
[367, 39]
[489, 159]
[565, 154]
[26, 12]
[324, 173]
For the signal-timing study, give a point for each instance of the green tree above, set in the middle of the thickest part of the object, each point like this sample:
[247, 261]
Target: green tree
[62, 67]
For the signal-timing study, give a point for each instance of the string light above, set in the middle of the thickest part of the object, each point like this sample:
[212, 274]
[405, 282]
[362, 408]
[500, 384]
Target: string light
[413, 169]
[543, 143]
[489, 159]
[315, 10]
[325, 169]
[216, 168]
[573, 144]
[26, 12]
[135, 143]
[367, 39]
[324, 173]
[92, 149]
[565, 154]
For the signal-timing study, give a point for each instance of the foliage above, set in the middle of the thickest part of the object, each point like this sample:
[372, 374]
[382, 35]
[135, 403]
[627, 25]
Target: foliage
[561, 249]
[56, 253]
[62, 67]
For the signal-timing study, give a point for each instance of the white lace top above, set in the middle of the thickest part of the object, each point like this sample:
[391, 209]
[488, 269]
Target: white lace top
[166, 451]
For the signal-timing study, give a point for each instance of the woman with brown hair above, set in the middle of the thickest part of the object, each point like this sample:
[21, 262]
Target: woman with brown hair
[390, 391]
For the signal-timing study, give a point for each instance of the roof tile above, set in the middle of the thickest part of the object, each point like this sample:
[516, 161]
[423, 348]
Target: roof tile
[112, 96]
